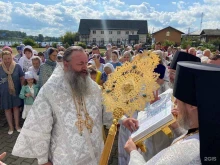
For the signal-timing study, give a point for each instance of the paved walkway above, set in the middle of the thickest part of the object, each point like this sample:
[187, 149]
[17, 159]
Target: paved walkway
[7, 142]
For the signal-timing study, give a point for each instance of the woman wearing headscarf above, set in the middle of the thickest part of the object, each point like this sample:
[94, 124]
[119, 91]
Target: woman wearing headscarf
[108, 69]
[48, 67]
[11, 80]
[127, 56]
[115, 61]
[26, 60]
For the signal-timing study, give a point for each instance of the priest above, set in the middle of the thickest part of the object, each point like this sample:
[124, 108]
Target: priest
[197, 113]
[64, 126]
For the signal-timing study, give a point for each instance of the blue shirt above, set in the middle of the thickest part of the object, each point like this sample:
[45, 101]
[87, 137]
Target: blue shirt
[104, 77]
[116, 64]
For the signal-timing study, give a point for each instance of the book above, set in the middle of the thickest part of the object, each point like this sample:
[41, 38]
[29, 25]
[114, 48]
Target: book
[154, 116]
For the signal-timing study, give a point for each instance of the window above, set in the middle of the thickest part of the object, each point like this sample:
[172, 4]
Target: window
[102, 32]
[118, 41]
[110, 40]
[110, 32]
[102, 40]
[132, 32]
[94, 40]
[127, 32]
[118, 32]
[93, 32]
[168, 34]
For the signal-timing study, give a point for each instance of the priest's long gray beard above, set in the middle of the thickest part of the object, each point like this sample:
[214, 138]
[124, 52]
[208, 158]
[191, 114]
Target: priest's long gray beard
[79, 83]
[183, 120]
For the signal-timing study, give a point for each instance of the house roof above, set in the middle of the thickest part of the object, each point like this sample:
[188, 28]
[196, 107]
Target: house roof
[86, 25]
[195, 33]
[211, 32]
[169, 27]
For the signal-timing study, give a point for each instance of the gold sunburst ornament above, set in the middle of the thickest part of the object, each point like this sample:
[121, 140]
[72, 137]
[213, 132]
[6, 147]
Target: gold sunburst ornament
[127, 89]
[132, 85]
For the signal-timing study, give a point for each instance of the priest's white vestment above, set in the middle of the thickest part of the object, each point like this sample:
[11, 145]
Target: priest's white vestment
[182, 152]
[49, 132]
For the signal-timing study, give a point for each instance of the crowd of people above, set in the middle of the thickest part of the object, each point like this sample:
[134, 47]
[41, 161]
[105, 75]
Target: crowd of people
[59, 94]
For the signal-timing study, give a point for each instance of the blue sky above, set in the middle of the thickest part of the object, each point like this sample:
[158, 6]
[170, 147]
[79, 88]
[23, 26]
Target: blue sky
[55, 17]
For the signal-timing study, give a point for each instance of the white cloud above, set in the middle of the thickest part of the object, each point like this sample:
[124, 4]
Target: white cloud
[212, 1]
[65, 16]
[82, 2]
[5, 11]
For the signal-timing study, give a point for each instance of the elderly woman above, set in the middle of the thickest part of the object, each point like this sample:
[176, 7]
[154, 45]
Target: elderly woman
[108, 69]
[35, 69]
[48, 67]
[126, 56]
[11, 80]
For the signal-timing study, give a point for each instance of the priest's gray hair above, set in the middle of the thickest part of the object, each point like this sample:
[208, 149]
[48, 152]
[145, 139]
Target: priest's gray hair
[69, 51]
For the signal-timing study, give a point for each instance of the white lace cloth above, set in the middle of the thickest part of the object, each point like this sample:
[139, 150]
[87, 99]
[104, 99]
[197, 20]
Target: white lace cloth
[49, 131]
[184, 152]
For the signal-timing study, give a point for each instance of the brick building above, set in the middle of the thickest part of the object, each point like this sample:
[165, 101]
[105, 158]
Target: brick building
[168, 33]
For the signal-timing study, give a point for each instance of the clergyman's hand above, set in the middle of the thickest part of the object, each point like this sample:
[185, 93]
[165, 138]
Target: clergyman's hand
[130, 146]
[2, 157]
[131, 124]
[175, 114]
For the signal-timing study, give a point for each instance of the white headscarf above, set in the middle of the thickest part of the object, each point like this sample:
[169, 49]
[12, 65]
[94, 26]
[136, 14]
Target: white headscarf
[109, 65]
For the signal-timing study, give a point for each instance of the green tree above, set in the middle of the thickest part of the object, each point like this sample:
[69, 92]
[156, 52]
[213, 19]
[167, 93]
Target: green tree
[66, 45]
[82, 44]
[208, 45]
[29, 41]
[70, 38]
[54, 44]
[215, 42]
[40, 38]
[149, 39]
[186, 42]
[168, 43]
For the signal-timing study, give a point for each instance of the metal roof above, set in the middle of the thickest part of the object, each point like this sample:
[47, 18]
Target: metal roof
[86, 25]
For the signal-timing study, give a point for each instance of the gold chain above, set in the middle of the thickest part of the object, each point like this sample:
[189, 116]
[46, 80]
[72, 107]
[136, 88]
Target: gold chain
[187, 135]
[88, 122]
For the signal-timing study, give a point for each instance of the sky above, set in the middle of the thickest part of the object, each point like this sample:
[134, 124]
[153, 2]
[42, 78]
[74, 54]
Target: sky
[55, 17]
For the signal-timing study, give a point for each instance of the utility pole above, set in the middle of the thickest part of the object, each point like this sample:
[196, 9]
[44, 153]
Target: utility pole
[201, 21]
[188, 30]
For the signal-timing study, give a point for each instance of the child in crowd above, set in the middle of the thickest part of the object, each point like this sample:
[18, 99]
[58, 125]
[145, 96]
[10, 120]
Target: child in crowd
[115, 61]
[108, 69]
[25, 61]
[41, 55]
[95, 74]
[28, 92]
